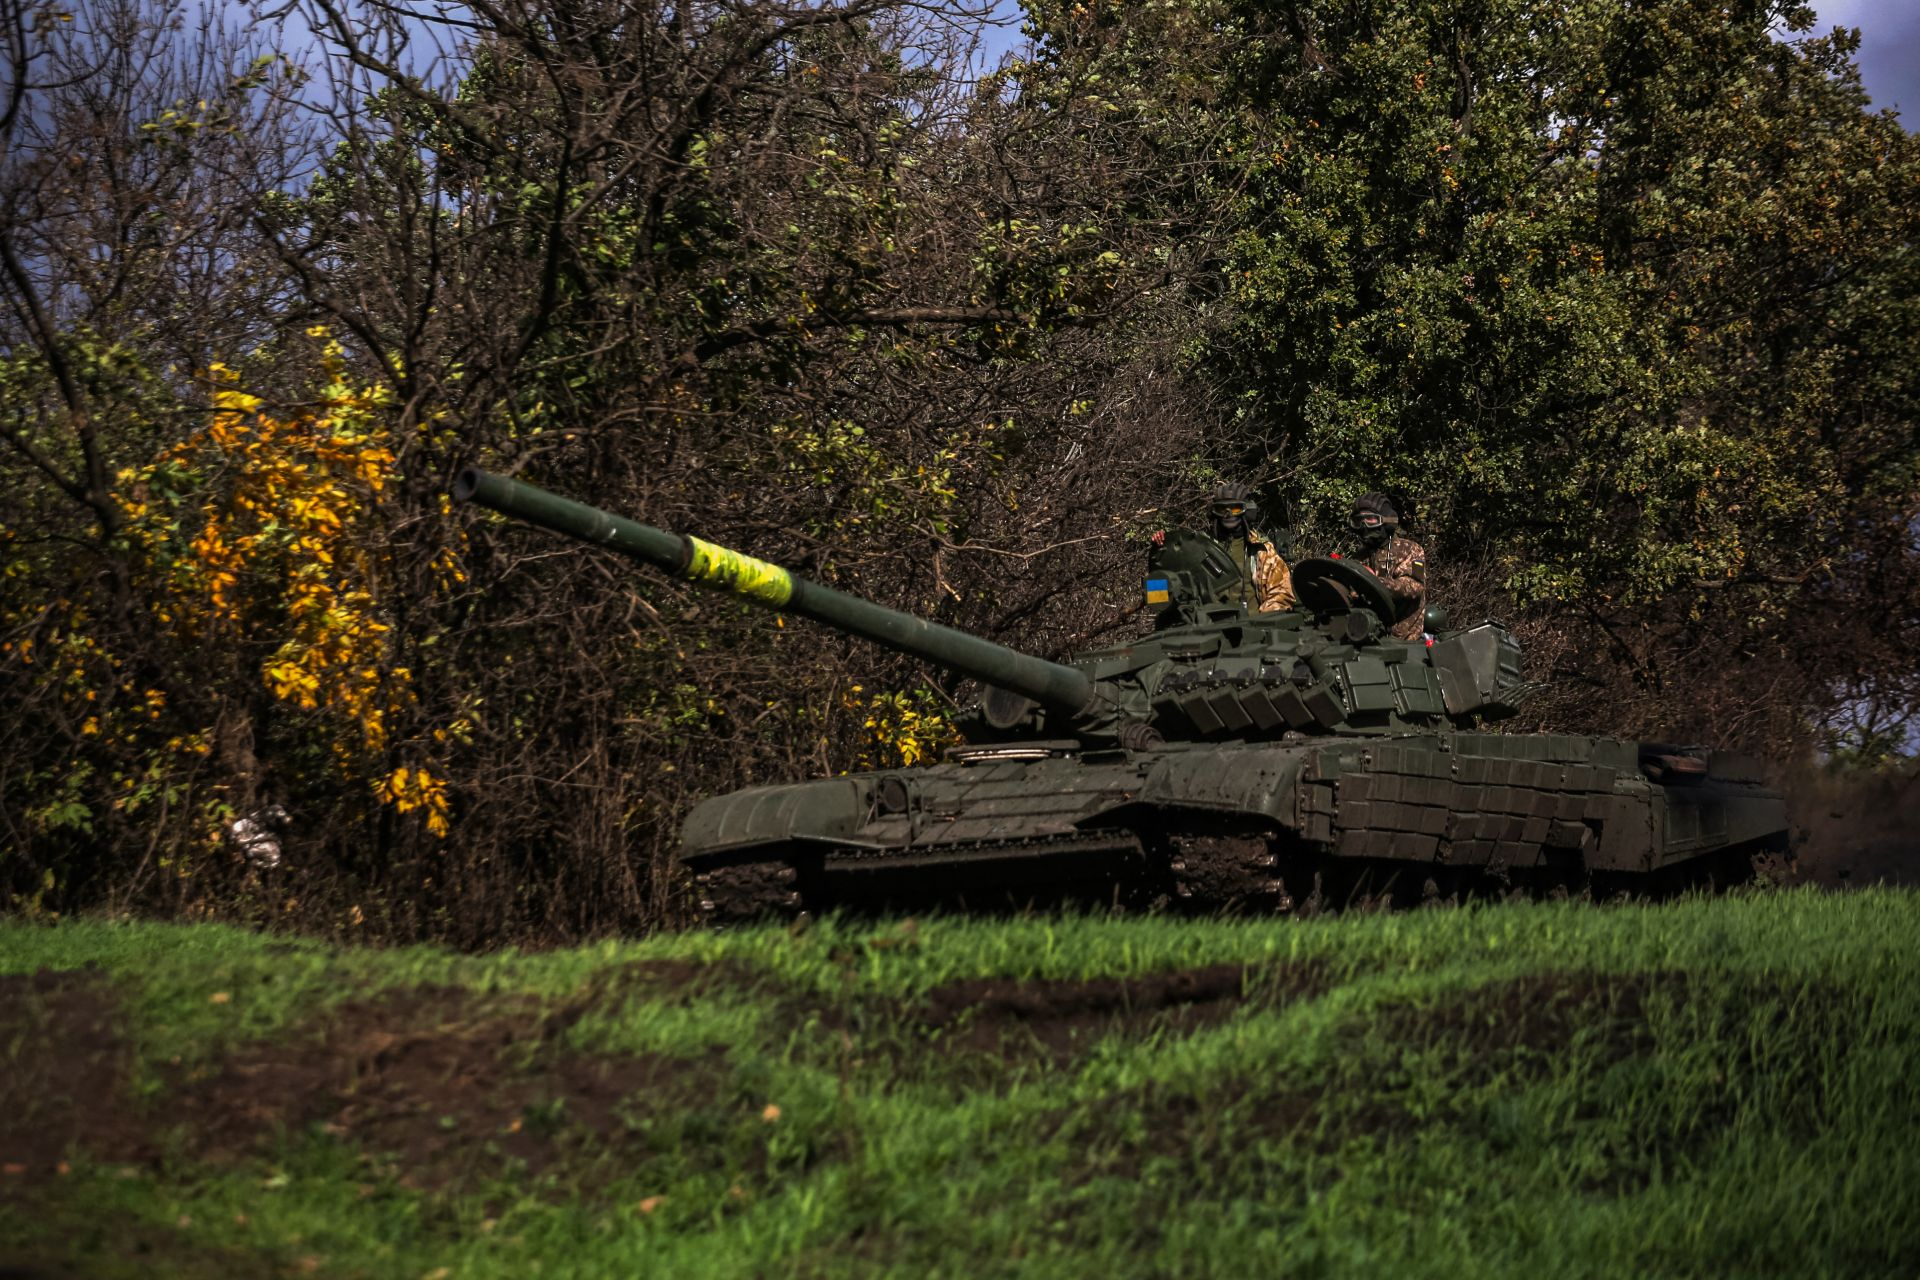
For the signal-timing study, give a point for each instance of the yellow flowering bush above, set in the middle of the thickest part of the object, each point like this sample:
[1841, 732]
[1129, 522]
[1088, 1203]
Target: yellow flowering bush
[279, 514]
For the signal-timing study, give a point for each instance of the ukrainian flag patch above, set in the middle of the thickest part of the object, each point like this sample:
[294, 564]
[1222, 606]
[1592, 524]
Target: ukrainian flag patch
[1157, 591]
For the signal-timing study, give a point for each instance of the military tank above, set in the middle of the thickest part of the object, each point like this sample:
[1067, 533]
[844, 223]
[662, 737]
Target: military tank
[1288, 762]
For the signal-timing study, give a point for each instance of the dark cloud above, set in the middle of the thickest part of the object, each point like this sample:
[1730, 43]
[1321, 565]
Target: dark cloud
[1889, 54]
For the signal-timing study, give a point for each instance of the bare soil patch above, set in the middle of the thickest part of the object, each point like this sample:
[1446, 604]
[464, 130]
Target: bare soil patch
[65, 1089]
[1058, 1021]
[445, 1085]
[64, 1074]
[437, 1084]
[976, 1034]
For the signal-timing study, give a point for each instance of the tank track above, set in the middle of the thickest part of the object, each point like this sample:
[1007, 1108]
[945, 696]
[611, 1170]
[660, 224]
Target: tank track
[1236, 871]
[1227, 871]
[747, 891]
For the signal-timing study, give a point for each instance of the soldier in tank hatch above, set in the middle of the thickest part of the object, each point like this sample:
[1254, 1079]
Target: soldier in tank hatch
[1399, 562]
[1266, 582]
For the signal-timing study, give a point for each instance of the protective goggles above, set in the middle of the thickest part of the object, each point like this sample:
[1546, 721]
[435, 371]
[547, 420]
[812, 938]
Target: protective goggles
[1368, 520]
[1229, 508]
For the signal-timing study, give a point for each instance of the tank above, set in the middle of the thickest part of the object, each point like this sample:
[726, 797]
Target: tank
[1289, 762]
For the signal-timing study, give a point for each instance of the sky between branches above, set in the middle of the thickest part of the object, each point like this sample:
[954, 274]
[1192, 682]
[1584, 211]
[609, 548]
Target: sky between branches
[1889, 48]
[1889, 45]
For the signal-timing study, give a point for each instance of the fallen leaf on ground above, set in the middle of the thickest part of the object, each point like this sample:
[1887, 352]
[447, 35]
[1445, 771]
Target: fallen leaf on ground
[651, 1203]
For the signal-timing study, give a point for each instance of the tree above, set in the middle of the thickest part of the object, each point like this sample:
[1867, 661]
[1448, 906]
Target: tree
[1619, 300]
[130, 147]
[776, 273]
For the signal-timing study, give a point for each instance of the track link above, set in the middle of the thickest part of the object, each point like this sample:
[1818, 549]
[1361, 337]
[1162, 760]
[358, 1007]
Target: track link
[748, 891]
[1226, 871]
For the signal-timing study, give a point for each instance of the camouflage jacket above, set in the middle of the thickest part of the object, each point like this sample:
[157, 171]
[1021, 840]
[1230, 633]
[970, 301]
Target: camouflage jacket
[1402, 565]
[1266, 581]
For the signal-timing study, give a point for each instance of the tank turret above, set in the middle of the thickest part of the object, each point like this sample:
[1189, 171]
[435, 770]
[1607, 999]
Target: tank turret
[1296, 760]
[1328, 666]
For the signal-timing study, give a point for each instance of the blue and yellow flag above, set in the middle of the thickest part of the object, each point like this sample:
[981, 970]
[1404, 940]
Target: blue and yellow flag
[1157, 592]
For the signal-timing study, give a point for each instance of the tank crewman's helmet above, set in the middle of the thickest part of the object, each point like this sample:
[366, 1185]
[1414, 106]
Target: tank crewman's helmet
[1374, 519]
[1234, 510]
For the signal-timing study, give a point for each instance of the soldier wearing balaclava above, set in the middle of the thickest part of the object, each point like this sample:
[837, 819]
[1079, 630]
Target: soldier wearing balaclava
[1399, 562]
[1266, 583]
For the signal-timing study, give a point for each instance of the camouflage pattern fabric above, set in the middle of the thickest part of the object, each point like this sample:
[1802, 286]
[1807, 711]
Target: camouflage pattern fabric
[1402, 564]
[1266, 580]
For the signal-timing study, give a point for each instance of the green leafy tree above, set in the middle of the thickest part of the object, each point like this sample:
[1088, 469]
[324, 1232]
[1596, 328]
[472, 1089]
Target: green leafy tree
[1619, 300]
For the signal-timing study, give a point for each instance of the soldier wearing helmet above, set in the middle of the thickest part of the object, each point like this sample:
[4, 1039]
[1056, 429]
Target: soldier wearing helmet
[1399, 562]
[1266, 583]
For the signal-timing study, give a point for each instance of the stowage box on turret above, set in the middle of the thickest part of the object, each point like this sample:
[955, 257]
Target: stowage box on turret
[1292, 761]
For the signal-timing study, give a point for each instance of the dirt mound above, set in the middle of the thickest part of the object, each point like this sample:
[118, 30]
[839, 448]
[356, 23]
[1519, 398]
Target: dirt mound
[447, 1086]
[64, 1074]
[442, 1083]
[1058, 1020]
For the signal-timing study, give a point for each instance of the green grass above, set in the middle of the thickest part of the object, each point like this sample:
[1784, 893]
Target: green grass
[1707, 1087]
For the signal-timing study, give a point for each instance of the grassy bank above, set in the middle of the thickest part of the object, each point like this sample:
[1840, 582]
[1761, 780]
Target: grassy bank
[1704, 1087]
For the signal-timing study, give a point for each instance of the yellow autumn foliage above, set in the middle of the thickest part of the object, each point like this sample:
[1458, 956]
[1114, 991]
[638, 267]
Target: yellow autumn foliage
[902, 728]
[286, 551]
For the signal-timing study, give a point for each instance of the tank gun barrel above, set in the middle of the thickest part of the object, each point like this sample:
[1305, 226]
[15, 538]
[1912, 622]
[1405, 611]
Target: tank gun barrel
[1051, 684]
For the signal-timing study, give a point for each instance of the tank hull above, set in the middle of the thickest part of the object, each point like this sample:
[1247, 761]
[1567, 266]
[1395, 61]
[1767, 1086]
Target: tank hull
[1295, 759]
[1266, 826]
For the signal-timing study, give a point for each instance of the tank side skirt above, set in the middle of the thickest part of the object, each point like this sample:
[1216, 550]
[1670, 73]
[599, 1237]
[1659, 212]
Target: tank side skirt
[1332, 825]
[1567, 805]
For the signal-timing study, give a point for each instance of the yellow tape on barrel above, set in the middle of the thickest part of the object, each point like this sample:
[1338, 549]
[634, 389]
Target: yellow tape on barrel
[742, 575]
